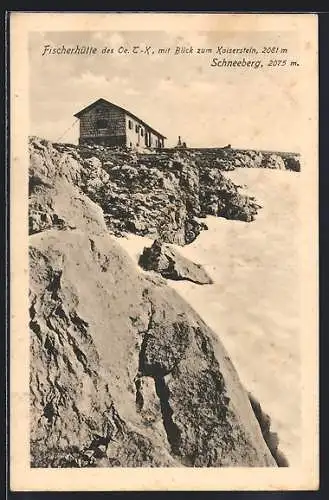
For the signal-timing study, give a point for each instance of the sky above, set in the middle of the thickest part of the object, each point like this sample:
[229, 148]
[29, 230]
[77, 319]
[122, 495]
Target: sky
[176, 94]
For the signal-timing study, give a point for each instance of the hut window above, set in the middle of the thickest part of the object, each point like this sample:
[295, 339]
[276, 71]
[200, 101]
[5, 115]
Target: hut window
[101, 123]
[142, 132]
[136, 129]
[130, 124]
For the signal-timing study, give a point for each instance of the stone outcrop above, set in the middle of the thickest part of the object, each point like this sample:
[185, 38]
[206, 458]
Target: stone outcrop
[274, 161]
[229, 159]
[164, 259]
[123, 372]
[159, 195]
[292, 162]
[220, 197]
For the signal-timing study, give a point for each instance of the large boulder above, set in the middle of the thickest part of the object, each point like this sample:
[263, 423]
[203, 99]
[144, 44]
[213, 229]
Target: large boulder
[248, 159]
[167, 261]
[123, 372]
[55, 197]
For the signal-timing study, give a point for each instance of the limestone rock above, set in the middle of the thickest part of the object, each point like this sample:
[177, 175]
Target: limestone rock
[292, 163]
[63, 206]
[274, 161]
[271, 438]
[220, 197]
[164, 259]
[159, 195]
[124, 372]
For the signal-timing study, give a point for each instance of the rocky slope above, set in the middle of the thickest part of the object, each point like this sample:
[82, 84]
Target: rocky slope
[160, 195]
[229, 159]
[123, 371]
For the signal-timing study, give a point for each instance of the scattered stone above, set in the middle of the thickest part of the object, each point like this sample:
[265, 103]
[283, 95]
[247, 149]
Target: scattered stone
[167, 261]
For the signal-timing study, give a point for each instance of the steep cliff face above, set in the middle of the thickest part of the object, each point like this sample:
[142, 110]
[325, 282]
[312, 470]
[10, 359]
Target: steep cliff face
[123, 371]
